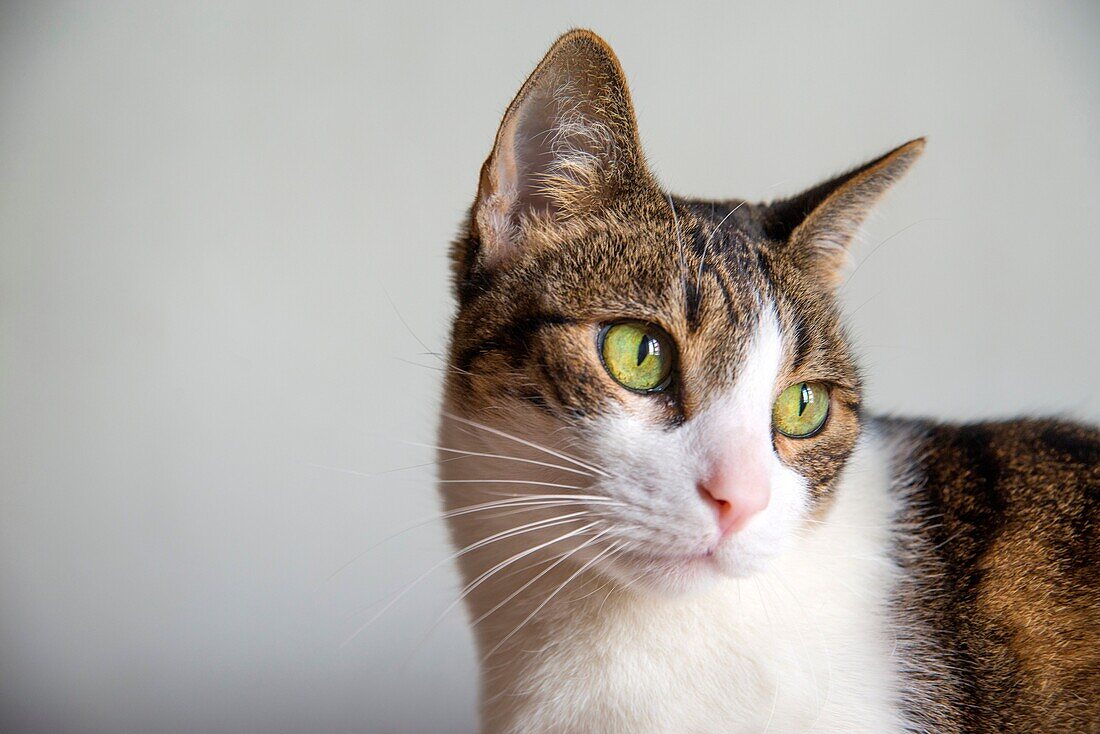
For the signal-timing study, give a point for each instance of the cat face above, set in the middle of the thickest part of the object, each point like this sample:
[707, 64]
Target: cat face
[681, 363]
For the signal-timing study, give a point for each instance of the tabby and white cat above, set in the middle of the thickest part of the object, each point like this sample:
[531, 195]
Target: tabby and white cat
[675, 515]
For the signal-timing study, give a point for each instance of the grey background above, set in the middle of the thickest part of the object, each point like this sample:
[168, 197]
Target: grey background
[207, 399]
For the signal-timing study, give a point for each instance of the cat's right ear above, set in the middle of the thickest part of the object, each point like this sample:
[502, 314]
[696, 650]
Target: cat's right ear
[568, 144]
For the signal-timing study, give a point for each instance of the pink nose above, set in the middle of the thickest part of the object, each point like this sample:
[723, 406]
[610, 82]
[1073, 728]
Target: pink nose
[735, 498]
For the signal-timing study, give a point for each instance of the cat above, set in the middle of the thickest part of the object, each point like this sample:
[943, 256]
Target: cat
[674, 513]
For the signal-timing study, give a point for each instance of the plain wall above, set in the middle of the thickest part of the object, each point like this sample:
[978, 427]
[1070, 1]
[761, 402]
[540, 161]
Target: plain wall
[212, 215]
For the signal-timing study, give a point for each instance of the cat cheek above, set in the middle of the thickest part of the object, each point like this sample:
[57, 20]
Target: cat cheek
[818, 461]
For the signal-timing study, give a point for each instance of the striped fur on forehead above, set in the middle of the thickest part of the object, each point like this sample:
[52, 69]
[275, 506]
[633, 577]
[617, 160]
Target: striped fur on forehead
[643, 265]
[701, 275]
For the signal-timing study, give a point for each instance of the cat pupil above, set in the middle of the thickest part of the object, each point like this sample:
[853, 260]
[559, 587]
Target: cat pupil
[804, 398]
[644, 348]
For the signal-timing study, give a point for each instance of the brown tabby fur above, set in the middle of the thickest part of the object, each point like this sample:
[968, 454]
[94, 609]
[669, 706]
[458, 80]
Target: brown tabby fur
[999, 610]
[1003, 568]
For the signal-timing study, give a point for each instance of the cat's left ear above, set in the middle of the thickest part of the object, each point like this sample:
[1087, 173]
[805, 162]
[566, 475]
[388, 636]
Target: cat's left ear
[818, 225]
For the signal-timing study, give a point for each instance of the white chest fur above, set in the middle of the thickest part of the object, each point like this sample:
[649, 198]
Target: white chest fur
[805, 646]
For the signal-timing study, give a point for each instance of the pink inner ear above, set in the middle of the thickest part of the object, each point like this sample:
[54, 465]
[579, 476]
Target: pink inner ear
[534, 135]
[567, 139]
[529, 160]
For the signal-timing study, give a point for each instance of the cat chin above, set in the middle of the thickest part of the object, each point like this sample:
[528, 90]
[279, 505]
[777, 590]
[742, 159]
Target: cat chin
[675, 575]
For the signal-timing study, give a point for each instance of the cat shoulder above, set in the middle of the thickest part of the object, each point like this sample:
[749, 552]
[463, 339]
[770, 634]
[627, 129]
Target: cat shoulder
[1002, 551]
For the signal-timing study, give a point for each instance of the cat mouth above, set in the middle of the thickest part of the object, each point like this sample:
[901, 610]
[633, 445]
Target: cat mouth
[672, 560]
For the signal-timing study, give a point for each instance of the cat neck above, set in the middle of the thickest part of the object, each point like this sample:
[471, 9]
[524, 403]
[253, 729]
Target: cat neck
[761, 647]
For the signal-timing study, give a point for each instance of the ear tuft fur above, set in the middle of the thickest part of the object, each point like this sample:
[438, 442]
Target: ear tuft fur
[567, 144]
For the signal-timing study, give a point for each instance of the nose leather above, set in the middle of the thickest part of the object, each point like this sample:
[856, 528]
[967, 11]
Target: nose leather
[735, 494]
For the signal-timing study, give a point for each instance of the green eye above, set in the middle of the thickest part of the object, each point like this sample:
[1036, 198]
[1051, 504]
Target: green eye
[637, 356]
[800, 410]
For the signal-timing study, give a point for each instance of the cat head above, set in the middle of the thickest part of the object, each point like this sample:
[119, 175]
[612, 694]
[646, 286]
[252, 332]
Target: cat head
[680, 363]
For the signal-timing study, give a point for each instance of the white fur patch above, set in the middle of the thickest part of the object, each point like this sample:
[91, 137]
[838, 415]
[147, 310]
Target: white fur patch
[665, 515]
[802, 646]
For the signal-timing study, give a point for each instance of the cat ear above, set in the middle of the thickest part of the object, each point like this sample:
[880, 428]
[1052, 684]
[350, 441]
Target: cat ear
[818, 225]
[567, 144]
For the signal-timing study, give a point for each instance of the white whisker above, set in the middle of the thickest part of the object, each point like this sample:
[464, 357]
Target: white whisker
[529, 482]
[469, 588]
[537, 447]
[703, 254]
[530, 527]
[505, 456]
[524, 502]
[556, 591]
[542, 573]
[679, 235]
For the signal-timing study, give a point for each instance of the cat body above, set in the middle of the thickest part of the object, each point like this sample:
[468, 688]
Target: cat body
[672, 512]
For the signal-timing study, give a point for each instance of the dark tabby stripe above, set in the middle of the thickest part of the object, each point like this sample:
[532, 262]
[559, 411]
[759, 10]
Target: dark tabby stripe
[1001, 557]
[513, 339]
